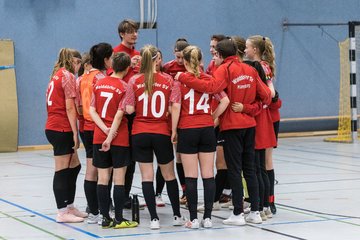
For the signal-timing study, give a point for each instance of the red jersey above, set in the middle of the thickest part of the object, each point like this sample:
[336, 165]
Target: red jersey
[172, 68]
[211, 68]
[132, 52]
[195, 106]
[108, 94]
[241, 83]
[87, 82]
[151, 111]
[61, 87]
[274, 110]
[264, 130]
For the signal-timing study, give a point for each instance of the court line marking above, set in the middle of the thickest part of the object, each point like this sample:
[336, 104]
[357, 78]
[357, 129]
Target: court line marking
[31, 225]
[51, 219]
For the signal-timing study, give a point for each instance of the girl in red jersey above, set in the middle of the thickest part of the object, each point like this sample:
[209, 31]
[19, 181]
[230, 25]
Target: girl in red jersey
[242, 84]
[261, 49]
[172, 68]
[213, 41]
[61, 131]
[100, 59]
[107, 96]
[149, 94]
[196, 137]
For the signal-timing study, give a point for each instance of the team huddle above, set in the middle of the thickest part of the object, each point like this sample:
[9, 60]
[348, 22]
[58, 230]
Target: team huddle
[127, 107]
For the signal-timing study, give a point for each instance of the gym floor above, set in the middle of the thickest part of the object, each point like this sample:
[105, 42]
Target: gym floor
[317, 196]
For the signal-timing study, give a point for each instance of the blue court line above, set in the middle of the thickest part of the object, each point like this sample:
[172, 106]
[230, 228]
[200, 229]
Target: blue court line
[49, 218]
[305, 221]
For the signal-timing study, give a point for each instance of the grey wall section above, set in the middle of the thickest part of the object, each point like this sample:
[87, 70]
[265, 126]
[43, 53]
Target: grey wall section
[307, 58]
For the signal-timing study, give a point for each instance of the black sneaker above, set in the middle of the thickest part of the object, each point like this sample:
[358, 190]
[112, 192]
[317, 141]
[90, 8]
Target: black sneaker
[273, 208]
[107, 223]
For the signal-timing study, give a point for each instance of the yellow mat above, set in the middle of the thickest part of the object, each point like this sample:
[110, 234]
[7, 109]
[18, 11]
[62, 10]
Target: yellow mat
[8, 99]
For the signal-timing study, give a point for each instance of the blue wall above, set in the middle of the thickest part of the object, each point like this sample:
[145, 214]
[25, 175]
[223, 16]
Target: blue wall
[307, 59]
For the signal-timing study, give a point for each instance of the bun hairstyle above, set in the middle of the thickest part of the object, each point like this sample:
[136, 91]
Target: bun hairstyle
[64, 61]
[98, 53]
[240, 44]
[193, 56]
[149, 54]
[266, 50]
[226, 48]
[180, 44]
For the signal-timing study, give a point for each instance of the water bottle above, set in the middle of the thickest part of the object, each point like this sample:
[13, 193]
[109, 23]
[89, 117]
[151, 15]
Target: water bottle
[135, 209]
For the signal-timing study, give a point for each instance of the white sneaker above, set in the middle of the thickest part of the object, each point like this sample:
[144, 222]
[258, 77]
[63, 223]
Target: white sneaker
[263, 215]
[268, 212]
[216, 207]
[254, 217]
[179, 221]
[93, 219]
[194, 224]
[159, 201]
[237, 220]
[154, 224]
[206, 223]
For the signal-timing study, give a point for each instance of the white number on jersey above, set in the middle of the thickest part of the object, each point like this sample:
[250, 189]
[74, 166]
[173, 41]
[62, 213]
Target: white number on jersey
[154, 97]
[51, 86]
[108, 98]
[202, 104]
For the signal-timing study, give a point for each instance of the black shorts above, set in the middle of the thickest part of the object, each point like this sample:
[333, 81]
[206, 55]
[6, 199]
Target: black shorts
[276, 130]
[82, 136]
[62, 142]
[116, 157]
[88, 143]
[195, 140]
[219, 138]
[144, 145]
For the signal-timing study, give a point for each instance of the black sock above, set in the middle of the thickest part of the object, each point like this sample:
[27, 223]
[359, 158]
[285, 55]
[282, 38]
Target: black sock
[61, 187]
[271, 175]
[104, 200]
[74, 172]
[181, 174]
[192, 196]
[220, 181]
[173, 193]
[110, 186]
[209, 193]
[91, 196]
[119, 200]
[160, 181]
[149, 195]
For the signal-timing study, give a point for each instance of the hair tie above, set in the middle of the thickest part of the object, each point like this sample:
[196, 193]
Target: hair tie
[264, 38]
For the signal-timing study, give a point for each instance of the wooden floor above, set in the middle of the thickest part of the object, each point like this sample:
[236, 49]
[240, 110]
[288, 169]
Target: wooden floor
[317, 195]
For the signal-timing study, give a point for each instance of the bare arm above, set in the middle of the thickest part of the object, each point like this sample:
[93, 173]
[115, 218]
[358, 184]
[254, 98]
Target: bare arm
[224, 102]
[96, 118]
[113, 130]
[175, 115]
[71, 114]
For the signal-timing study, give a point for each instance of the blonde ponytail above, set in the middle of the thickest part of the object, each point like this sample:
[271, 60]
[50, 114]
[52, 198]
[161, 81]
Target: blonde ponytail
[193, 56]
[149, 54]
[266, 50]
[64, 61]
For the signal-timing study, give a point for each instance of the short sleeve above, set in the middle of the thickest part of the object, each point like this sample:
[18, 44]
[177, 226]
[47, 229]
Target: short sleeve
[69, 85]
[220, 95]
[175, 96]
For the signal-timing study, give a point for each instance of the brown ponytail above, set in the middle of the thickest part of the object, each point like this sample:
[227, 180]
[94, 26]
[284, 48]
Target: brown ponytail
[193, 56]
[149, 54]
